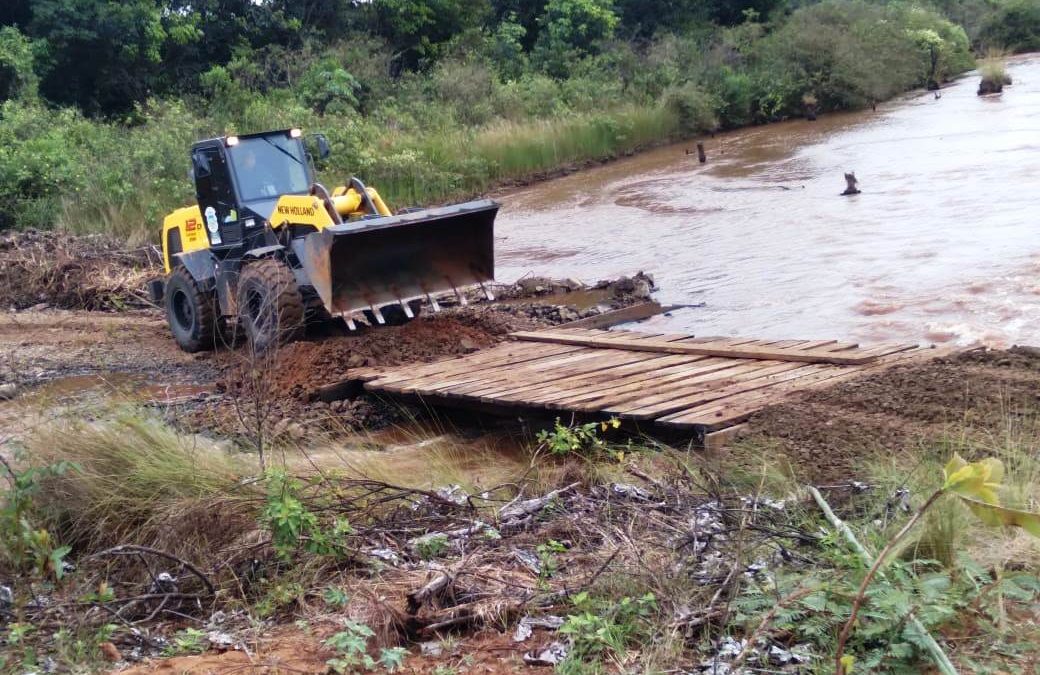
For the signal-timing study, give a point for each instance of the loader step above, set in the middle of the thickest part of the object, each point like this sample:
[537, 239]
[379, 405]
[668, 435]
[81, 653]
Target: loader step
[677, 382]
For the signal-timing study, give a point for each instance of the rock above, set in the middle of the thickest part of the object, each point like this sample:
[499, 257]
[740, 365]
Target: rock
[8, 391]
[642, 289]
[572, 284]
[220, 640]
[550, 656]
[296, 431]
[467, 345]
[533, 285]
[39, 307]
[6, 597]
[568, 314]
[431, 648]
[356, 361]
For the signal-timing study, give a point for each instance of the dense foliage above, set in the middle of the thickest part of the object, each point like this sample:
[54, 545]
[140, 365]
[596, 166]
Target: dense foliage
[430, 99]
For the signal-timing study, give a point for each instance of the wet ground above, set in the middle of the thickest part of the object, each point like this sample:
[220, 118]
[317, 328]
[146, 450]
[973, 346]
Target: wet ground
[940, 246]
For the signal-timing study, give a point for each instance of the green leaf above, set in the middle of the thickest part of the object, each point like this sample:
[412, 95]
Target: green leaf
[996, 515]
[978, 480]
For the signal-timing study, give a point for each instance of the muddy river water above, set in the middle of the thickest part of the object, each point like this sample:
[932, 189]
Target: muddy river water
[942, 245]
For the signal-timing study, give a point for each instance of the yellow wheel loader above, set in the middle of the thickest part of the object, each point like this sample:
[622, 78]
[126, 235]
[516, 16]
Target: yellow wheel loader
[266, 246]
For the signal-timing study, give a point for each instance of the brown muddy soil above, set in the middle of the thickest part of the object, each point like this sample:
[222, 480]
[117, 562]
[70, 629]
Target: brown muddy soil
[52, 356]
[828, 435]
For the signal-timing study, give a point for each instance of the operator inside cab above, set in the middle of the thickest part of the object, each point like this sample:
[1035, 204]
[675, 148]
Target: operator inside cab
[267, 168]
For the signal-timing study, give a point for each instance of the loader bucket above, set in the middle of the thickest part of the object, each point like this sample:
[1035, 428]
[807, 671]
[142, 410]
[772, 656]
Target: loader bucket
[380, 261]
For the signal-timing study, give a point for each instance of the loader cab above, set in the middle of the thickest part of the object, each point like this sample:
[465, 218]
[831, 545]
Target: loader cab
[238, 180]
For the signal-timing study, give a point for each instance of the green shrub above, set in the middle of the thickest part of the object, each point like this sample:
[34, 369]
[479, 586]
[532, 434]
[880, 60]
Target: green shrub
[1014, 26]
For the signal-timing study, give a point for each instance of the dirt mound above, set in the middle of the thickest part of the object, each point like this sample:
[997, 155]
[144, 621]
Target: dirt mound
[301, 367]
[68, 272]
[824, 435]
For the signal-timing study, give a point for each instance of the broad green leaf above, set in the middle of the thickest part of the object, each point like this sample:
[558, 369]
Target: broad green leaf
[978, 480]
[996, 515]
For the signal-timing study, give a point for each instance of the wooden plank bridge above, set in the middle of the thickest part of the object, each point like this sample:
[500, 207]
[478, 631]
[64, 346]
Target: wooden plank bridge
[672, 381]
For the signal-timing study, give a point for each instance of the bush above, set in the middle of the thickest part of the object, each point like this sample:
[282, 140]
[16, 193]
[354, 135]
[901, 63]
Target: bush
[692, 109]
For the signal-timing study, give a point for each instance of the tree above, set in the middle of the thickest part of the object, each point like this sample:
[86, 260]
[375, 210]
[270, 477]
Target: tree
[419, 30]
[16, 64]
[571, 30]
[507, 49]
[644, 18]
[101, 55]
[733, 12]
[208, 33]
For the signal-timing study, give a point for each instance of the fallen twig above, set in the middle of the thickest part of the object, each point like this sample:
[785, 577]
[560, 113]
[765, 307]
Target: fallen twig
[942, 661]
[134, 549]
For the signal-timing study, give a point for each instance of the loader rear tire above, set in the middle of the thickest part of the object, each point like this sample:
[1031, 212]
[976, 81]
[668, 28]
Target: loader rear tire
[270, 306]
[191, 312]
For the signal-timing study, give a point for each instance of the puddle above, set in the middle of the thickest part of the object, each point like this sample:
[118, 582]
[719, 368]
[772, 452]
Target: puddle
[128, 387]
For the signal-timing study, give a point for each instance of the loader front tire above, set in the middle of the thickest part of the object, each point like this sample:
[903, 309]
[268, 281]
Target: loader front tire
[270, 306]
[190, 312]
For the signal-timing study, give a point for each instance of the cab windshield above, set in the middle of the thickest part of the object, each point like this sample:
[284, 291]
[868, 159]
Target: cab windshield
[268, 166]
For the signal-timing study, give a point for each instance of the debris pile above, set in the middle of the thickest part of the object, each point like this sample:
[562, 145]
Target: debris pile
[39, 270]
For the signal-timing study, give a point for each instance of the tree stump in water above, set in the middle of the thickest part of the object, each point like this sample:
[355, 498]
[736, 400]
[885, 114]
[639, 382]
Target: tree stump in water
[701, 157]
[987, 86]
[850, 184]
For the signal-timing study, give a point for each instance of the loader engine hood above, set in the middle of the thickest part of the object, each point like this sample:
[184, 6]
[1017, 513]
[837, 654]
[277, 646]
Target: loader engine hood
[380, 261]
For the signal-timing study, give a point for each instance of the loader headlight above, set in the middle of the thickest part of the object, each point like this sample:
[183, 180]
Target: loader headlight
[295, 133]
[231, 141]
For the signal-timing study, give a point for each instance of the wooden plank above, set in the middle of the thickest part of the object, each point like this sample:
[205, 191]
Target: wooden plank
[615, 382]
[592, 373]
[464, 375]
[644, 310]
[746, 352]
[522, 379]
[490, 359]
[673, 401]
[640, 386]
[734, 410]
[717, 440]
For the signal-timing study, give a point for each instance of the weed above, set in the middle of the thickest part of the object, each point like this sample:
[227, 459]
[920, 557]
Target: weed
[351, 646]
[279, 594]
[187, 641]
[22, 544]
[431, 547]
[601, 627]
[548, 564]
[579, 439]
[334, 596]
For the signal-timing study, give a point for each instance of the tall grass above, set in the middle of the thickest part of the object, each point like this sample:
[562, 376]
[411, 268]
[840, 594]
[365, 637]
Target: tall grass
[457, 162]
[993, 72]
[515, 150]
[137, 480]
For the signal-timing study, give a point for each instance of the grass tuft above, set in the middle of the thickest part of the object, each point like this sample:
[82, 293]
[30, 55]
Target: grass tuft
[138, 480]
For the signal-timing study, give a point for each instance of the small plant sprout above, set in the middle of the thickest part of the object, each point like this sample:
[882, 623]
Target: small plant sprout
[187, 641]
[976, 484]
[351, 646]
[334, 596]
